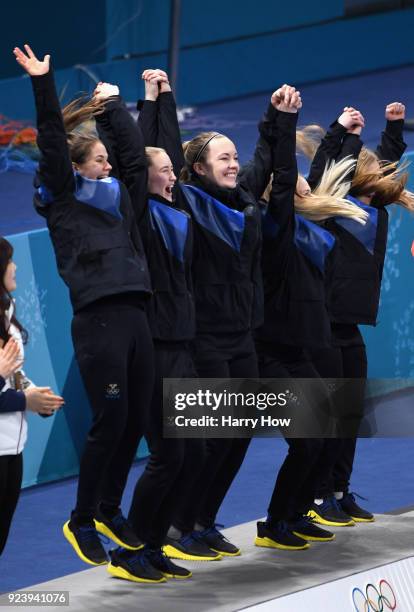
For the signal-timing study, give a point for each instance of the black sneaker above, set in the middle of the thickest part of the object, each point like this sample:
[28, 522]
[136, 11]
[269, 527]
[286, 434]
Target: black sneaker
[358, 514]
[134, 566]
[330, 513]
[190, 548]
[218, 542]
[278, 535]
[163, 564]
[305, 528]
[86, 543]
[118, 530]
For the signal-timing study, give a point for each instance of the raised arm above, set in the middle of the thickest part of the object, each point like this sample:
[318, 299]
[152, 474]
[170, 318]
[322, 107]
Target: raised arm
[126, 134]
[392, 145]
[55, 167]
[341, 139]
[159, 119]
[255, 174]
[285, 171]
[148, 108]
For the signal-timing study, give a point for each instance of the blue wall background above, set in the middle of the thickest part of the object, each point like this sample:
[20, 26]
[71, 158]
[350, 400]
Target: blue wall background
[75, 31]
[225, 51]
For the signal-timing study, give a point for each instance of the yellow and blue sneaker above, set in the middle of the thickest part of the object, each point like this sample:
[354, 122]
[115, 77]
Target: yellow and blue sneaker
[85, 541]
[278, 535]
[216, 541]
[305, 528]
[190, 547]
[118, 530]
[133, 565]
[358, 514]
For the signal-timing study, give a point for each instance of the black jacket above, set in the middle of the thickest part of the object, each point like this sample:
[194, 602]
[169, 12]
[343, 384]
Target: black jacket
[91, 223]
[355, 283]
[227, 236]
[296, 255]
[166, 231]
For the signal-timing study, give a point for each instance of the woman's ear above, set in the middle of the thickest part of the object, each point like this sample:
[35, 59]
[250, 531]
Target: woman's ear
[75, 166]
[199, 169]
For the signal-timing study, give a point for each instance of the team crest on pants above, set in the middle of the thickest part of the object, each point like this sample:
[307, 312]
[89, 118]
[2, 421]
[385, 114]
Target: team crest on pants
[113, 391]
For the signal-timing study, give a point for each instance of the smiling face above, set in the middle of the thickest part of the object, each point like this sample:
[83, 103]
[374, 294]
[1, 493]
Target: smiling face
[96, 165]
[9, 278]
[161, 177]
[222, 163]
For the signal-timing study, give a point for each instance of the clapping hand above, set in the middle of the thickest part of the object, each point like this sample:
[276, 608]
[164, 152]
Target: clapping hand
[42, 400]
[10, 360]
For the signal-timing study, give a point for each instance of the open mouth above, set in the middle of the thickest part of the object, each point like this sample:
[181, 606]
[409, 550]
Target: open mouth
[169, 190]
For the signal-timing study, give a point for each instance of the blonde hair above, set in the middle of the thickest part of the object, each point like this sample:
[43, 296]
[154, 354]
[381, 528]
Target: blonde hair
[196, 150]
[308, 139]
[328, 199]
[388, 186]
[151, 152]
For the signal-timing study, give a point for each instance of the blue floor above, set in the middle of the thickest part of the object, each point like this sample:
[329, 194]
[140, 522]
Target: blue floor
[36, 550]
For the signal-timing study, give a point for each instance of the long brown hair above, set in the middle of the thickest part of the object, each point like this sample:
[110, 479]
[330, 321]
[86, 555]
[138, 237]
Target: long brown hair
[80, 110]
[78, 121]
[6, 254]
[388, 186]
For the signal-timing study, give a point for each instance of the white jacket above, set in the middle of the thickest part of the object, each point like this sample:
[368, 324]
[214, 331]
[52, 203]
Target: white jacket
[13, 425]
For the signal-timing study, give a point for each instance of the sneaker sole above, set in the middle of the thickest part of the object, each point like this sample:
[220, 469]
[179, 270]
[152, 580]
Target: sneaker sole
[174, 553]
[176, 576]
[363, 520]
[313, 538]
[102, 528]
[120, 572]
[268, 543]
[72, 541]
[322, 521]
[227, 554]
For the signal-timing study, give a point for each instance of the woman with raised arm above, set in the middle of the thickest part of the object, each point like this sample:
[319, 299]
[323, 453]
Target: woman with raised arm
[354, 290]
[100, 258]
[296, 259]
[229, 305]
[17, 394]
[167, 238]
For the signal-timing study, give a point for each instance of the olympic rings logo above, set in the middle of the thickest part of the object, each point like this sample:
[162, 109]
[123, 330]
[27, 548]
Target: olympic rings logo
[374, 599]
